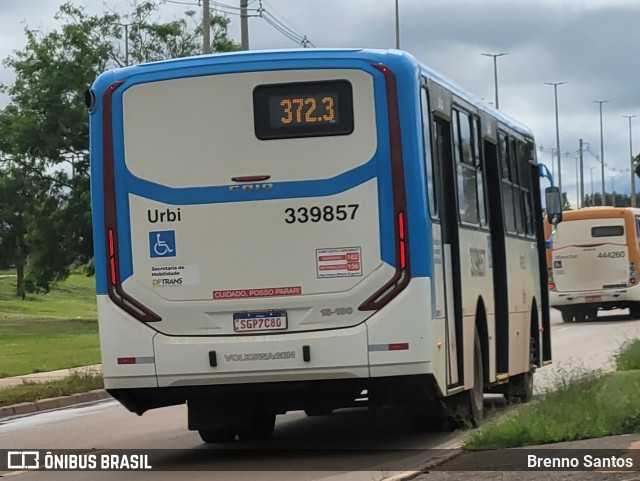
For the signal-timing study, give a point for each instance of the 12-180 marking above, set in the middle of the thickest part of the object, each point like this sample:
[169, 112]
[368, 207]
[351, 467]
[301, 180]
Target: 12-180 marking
[327, 213]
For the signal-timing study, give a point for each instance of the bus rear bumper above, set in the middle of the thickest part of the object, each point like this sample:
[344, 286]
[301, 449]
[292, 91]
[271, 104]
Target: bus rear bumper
[609, 299]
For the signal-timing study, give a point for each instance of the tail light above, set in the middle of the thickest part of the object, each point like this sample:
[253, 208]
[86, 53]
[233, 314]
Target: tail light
[114, 286]
[401, 278]
[633, 274]
[552, 284]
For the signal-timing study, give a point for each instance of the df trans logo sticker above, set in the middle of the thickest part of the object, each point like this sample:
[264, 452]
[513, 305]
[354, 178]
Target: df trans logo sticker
[162, 243]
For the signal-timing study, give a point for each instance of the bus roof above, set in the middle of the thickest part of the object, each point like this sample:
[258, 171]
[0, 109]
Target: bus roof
[600, 212]
[376, 55]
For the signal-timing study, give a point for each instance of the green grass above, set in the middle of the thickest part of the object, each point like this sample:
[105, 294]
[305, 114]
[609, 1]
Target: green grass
[74, 298]
[29, 392]
[50, 331]
[582, 405]
[629, 356]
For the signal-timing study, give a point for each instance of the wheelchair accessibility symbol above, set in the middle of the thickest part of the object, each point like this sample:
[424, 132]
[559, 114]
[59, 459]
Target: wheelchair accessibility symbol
[162, 243]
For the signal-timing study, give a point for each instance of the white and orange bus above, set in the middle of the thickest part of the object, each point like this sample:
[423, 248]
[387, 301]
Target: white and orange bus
[593, 263]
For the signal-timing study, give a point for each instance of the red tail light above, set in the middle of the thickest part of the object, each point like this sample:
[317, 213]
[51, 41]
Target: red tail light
[401, 235]
[114, 287]
[401, 278]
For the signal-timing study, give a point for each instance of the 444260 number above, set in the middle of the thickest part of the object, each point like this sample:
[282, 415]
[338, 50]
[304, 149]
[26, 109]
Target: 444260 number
[611, 255]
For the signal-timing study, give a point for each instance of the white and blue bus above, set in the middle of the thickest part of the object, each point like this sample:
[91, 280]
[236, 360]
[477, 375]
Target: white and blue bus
[302, 230]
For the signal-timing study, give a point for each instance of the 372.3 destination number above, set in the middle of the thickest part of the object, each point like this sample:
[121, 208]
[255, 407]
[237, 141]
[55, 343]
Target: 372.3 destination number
[327, 213]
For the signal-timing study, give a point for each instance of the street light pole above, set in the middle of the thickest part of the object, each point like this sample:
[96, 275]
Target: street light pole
[601, 148]
[633, 174]
[591, 171]
[495, 71]
[555, 95]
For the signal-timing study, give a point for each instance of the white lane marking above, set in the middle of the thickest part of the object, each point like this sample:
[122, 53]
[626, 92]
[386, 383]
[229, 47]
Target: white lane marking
[562, 329]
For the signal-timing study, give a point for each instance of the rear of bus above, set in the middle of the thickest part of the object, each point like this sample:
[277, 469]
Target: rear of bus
[252, 231]
[593, 262]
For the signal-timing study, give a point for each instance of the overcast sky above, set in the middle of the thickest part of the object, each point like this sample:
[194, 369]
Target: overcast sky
[593, 45]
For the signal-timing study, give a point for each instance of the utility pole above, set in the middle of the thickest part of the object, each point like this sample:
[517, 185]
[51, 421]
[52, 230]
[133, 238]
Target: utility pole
[244, 25]
[593, 202]
[495, 71]
[555, 95]
[581, 188]
[206, 27]
[397, 26]
[633, 174]
[126, 44]
[601, 148]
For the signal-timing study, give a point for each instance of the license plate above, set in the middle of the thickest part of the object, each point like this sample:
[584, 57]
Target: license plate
[593, 298]
[259, 321]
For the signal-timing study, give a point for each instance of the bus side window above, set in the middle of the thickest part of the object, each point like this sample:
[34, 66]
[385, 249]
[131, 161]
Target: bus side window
[515, 181]
[525, 156]
[478, 162]
[507, 191]
[429, 164]
[466, 169]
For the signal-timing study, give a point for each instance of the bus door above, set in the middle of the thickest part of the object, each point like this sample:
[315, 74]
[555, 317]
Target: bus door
[498, 249]
[445, 233]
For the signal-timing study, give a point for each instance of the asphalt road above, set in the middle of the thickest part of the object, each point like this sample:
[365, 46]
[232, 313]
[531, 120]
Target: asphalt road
[379, 443]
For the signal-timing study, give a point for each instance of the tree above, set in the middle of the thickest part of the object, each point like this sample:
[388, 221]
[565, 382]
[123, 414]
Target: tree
[44, 132]
[566, 205]
[621, 200]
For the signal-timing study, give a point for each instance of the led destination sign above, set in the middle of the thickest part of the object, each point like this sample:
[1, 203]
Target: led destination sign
[303, 109]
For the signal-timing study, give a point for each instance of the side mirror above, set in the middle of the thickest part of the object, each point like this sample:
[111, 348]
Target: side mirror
[554, 205]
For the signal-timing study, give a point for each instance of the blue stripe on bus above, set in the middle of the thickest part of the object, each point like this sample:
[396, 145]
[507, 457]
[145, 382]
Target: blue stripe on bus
[281, 190]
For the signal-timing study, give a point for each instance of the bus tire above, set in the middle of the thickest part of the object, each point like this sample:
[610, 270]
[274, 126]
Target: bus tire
[476, 403]
[259, 426]
[520, 387]
[634, 310]
[466, 409]
[567, 315]
[217, 435]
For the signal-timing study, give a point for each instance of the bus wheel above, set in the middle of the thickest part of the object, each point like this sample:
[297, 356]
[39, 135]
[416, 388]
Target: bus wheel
[520, 387]
[476, 393]
[592, 313]
[466, 408]
[218, 435]
[634, 310]
[259, 426]
[581, 316]
[567, 315]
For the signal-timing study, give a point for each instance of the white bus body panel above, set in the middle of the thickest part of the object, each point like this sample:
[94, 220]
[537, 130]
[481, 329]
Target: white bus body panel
[354, 352]
[215, 242]
[585, 269]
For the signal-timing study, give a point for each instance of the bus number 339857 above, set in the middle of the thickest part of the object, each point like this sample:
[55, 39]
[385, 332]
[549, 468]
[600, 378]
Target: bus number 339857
[327, 213]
